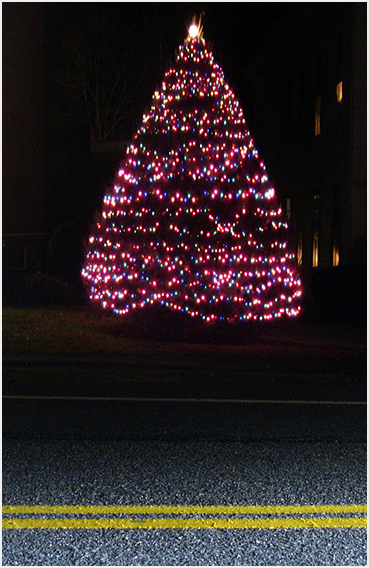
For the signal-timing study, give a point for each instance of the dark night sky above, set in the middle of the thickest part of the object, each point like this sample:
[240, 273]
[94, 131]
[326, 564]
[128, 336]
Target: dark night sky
[58, 153]
[237, 30]
[151, 33]
[62, 185]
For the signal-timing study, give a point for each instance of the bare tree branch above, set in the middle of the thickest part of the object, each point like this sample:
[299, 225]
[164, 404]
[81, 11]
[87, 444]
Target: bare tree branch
[107, 74]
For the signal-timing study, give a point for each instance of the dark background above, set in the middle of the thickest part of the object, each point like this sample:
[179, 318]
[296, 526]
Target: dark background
[47, 160]
[54, 179]
[148, 37]
[237, 30]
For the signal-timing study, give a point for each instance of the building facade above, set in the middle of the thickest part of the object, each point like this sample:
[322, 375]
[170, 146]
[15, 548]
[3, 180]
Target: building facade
[23, 133]
[308, 117]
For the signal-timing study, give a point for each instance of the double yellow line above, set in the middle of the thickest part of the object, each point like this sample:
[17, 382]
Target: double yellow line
[184, 517]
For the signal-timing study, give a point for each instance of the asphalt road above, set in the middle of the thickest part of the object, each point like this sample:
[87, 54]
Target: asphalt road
[184, 481]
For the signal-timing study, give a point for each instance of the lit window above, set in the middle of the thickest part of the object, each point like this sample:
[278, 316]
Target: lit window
[288, 208]
[315, 248]
[318, 105]
[339, 92]
[299, 249]
[316, 209]
[316, 221]
[336, 255]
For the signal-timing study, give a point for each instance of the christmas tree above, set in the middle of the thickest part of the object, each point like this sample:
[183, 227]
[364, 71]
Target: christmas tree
[192, 221]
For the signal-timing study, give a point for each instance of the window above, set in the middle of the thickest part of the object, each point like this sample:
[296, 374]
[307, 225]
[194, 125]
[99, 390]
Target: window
[290, 96]
[288, 208]
[336, 254]
[318, 104]
[316, 219]
[299, 249]
[302, 89]
[315, 248]
[339, 67]
[339, 92]
[336, 225]
[316, 209]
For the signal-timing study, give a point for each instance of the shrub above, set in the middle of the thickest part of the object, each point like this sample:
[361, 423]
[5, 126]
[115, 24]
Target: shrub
[65, 252]
[340, 292]
[42, 289]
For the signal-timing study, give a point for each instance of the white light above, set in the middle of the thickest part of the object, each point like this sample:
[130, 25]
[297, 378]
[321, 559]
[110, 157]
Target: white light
[193, 30]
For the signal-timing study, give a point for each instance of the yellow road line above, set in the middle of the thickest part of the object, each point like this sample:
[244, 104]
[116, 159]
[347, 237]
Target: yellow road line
[183, 516]
[186, 523]
[181, 509]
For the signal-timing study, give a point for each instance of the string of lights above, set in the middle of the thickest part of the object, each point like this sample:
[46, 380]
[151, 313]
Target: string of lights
[192, 221]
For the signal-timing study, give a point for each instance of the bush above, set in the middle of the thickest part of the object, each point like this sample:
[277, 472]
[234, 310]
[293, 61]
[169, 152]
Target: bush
[12, 281]
[65, 252]
[340, 292]
[159, 323]
[42, 289]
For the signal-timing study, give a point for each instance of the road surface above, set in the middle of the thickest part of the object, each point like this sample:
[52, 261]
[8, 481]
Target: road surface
[197, 481]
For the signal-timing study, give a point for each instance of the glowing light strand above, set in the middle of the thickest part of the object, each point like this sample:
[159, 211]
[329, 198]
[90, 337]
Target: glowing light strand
[192, 221]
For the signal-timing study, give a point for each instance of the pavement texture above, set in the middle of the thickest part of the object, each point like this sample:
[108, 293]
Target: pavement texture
[184, 473]
[103, 419]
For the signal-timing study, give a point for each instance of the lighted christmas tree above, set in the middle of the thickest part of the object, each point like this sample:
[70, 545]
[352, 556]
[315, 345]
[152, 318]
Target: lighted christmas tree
[192, 221]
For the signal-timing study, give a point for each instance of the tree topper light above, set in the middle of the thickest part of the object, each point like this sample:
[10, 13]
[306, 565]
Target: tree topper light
[195, 29]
